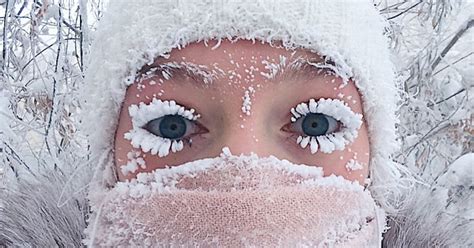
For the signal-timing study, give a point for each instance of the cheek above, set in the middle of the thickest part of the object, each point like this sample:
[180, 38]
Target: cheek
[351, 163]
[125, 153]
[122, 146]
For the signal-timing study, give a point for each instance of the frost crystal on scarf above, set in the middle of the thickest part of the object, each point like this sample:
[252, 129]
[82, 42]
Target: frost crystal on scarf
[237, 201]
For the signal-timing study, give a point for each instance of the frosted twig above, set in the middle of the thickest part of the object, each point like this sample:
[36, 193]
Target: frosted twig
[462, 30]
[405, 11]
[436, 128]
[17, 158]
[5, 25]
[53, 98]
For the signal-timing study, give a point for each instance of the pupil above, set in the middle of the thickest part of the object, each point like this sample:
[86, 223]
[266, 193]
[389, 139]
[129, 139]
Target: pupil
[315, 124]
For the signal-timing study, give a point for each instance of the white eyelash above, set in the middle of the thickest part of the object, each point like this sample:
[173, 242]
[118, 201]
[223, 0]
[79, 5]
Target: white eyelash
[338, 110]
[143, 113]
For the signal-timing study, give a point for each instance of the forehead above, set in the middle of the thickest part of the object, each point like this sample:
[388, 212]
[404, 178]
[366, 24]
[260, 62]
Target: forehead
[227, 52]
[227, 69]
[236, 63]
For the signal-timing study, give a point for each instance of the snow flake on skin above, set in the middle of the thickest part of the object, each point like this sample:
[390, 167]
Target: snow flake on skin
[247, 102]
[273, 67]
[353, 165]
[134, 161]
[225, 152]
[338, 110]
[140, 86]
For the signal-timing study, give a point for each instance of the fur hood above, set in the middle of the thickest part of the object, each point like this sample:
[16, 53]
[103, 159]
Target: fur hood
[51, 211]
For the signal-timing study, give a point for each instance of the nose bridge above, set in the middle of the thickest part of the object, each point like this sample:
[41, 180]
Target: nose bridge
[242, 139]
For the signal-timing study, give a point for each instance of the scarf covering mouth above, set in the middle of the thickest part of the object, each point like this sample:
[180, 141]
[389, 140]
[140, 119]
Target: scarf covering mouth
[236, 201]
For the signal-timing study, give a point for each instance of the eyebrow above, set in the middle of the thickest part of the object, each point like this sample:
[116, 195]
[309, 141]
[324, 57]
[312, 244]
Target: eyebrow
[300, 68]
[306, 69]
[172, 69]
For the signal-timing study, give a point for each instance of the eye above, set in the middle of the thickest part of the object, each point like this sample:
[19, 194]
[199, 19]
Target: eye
[316, 124]
[162, 126]
[325, 125]
[174, 127]
[313, 124]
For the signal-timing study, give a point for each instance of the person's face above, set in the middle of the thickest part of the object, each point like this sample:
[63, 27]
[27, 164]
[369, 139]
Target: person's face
[242, 73]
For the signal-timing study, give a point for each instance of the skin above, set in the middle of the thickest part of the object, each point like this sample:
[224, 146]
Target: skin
[225, 125]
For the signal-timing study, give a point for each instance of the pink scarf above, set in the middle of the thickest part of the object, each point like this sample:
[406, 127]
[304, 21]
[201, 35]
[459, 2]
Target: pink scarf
[235, 202]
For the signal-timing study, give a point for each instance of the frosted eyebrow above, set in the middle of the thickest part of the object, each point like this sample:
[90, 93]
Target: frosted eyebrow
[306, 69]
[168, 70]
[301, 68]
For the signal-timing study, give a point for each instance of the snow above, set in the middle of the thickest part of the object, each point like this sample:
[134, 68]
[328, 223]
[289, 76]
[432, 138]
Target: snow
[247, 101]
[272, 69]
[452, 184]
[454, 188]
[164, 180]
[134, 161]
[313, 144]
[142, 113]
[52, 12]
[460, 172]
[353, 165]
[273, 187]
[304, 141]
[312, 141]
[339, 70]
[226, 152]
[5, 114]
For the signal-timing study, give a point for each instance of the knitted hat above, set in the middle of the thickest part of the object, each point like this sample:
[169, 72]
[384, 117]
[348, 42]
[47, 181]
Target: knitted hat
[135, 33]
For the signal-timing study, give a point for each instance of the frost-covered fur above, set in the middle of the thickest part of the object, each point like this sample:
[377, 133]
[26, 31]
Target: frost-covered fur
[30, 216]
[427, 222]
[33, 213]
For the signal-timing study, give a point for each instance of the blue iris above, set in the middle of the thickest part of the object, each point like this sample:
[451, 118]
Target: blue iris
[169, 126]
[315, 124]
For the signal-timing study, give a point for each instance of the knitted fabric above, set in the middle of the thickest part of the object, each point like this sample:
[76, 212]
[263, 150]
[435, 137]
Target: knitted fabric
[235, 202]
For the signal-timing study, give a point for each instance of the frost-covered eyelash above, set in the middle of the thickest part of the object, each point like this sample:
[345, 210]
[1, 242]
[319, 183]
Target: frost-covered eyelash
[143, 113]
[338, 110]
